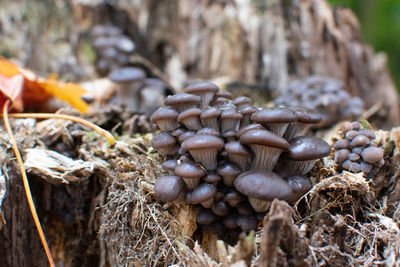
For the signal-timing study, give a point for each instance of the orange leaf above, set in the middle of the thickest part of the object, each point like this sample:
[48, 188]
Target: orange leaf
[37, 89]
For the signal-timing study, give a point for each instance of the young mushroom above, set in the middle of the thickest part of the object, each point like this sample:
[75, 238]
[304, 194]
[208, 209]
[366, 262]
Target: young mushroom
[182, 101]
[165, 118]
[128, 82]
[191, 173]
[190, 118]
[209, 117]
[165, 143]
[266, 147]
[204, 149]
[206, 91]
[302, 155]
[238, 153]
[169, 188]
[261, 187]
[275, 119]
[203, 194]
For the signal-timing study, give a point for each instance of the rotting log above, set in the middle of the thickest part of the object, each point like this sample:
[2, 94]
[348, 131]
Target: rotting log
[267, 43]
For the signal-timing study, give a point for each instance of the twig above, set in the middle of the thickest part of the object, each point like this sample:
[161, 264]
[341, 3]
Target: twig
[96, 128]
[26, 184]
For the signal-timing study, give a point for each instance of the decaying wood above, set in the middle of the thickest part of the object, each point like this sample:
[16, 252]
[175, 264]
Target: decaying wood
[268, 43]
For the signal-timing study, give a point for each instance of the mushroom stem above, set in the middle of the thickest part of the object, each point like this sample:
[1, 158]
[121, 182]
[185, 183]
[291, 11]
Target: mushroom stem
[264, 157]
[192, 123]
[278, 128]
[211, 123]
[287, 167]
[191, 183]
[259, 205]
[208, 158]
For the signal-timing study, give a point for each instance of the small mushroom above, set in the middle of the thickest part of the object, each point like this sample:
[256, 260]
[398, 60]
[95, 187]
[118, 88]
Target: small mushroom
[261, 187]
[209, 131]
[170, 166]
[299, 185]
[305, 118]
[220, 208]
[165, 118]
[233, 198]
[275, 119]
[372, 154]
[190, 118]
[169, 188]
[246, 111]
[266, 147]
[165, 143]
[230, 120]
[204, 149]
[247, 223]
[212, 178]
[205, 217]
[206, 91]
[228, 171]
[203, 194]
[182, 101]
[301, 157]
[241, 101]
[226, 94]
[209, 117]
[230, 221]
[191, 173]
[128, 82]
[238, 154]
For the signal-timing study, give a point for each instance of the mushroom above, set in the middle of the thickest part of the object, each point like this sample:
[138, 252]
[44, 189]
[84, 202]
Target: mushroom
[252, 126]
[220, 208]
[212, 178]
[203, 194]
[209, 131]
[128, 82]
[305, 118]
[275, 119]
[226, 94]
[247, 223]
[228, 171]
[233, 198]
[182, 101]
[204, 149]
[238, 154]
[191, 173]
[299, 185]
[205, 217]
[190, 118]
[241, 101]
[165, 143]
[230, 221]
[169, 188]
[209, 117]
[303, 152]
[266, 147]
[165, 118]
[261, 187]
[206, 91]
[372, 154]
[246, 111]
[170, 166]
[230, 120]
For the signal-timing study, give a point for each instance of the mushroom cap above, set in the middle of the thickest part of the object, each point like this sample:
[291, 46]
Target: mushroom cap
[209, 131]
[231, 114]
[307, 148]
[170, 165]
[372, 154]
[127, 75]
[164, 113]
[229, 134]
[274, 115]
[241, 100]
[212, 177]
[202, 193]
[181, 98]
[228, 169]
[125, 44]
[189, 170]
[253, 126]
[263, 185]
[198, 88]
[224, 94]
[264, 137]
[192, 112]
[203, 141]
[308, 115]
[299, 184]
[210, 112]
[163, 139]
[205, 217]
[185, 135]
[247, 110]
[236, 148]
[168, 188]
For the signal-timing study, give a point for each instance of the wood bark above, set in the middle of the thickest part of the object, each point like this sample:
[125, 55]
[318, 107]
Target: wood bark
[267, 43]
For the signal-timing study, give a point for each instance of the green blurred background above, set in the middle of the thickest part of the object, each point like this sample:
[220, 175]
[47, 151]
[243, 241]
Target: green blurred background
[380, 25]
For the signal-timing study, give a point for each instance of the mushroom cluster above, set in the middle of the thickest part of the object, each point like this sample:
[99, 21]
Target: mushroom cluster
[112, 48]
[230, 158]
[325, 95]
[136, 91]
[356, 151]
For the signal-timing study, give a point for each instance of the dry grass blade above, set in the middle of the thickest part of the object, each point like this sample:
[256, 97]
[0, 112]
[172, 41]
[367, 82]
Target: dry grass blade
[26, 184]
[96, 128]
